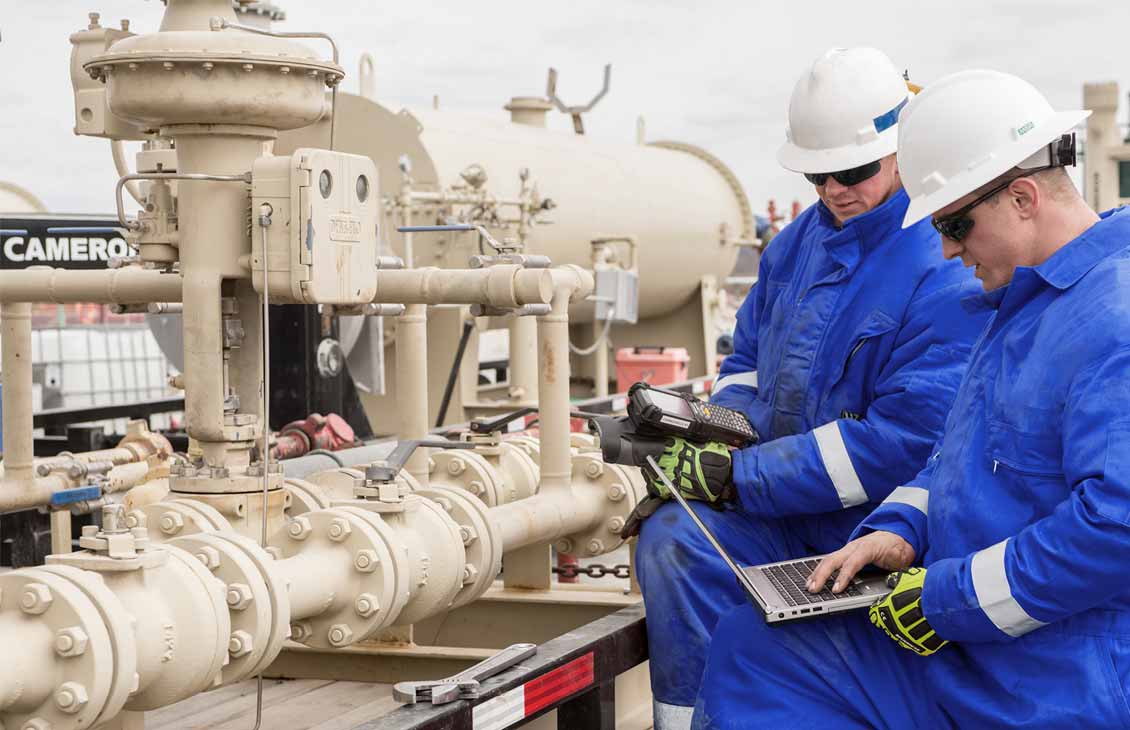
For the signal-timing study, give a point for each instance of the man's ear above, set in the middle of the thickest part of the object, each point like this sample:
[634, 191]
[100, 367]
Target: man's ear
[1025, 196]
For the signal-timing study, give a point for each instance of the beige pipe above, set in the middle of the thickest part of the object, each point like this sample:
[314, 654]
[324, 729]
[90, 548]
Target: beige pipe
[127, 285]
[412, 384]
[15, 363]
[523, 358]
[315, 579]
[117, 147]
[557, 509]
[502, 286]
[600, 360]
[18, 495]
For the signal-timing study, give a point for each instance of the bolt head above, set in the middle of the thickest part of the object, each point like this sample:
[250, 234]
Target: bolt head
[366, 605]
[444, 503]
[470, 573]
[239, 596]
[135, 518]
[615, 524]
[71, 641]
[340, 635]
[594, 470]
[616, 492]
[455, 467]
[366, 561]
[299, 528]
[35, 599]
[71, 697]
[340, 529]
[36, 723]
[301, 631]
[210, 556]
[171, 523]
[476, 488]
[467, 534]
[240, 644]
[595, 547]
[564, 546]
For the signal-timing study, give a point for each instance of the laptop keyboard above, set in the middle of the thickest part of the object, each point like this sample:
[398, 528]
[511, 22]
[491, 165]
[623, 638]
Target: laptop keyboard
[790, 580]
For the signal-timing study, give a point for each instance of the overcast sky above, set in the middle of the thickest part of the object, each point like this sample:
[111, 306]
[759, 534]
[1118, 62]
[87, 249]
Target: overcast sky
[716, 74]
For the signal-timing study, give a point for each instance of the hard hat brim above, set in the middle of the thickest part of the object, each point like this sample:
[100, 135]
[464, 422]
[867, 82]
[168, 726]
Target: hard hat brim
[801, 159]
[1002, 161]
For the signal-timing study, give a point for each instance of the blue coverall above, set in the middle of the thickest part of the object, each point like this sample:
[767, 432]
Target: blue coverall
[848, 352]
[1022, 519]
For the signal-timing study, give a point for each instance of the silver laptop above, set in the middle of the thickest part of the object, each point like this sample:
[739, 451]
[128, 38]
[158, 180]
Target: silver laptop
[779, 588]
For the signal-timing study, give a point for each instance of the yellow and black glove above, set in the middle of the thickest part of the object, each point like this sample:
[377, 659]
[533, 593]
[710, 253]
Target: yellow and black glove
[899, 613]
[698, 471]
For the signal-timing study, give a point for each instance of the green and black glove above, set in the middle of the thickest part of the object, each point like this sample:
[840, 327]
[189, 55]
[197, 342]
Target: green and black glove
[899, 613]
[698, 471]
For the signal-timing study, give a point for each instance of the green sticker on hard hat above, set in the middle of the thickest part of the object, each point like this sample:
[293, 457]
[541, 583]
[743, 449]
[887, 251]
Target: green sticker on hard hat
[1025, 128]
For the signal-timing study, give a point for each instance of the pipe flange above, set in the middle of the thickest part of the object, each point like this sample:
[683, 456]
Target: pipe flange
[305, 497]
[469, 471]
[520, 472]
[619, 491]
[528, 444]
[119, 624]
[380, 571]
[173, 518]
[82, 681]
[252, 597]
[338, 483]
[481, 540]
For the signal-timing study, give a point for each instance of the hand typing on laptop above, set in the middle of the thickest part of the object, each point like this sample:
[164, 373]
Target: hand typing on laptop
[885, 550]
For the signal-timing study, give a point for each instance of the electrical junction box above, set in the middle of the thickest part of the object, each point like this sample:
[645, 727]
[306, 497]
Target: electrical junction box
[322, 241]
[617, 294]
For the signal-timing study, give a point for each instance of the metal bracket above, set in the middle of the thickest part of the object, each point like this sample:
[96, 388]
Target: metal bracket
[576, 111]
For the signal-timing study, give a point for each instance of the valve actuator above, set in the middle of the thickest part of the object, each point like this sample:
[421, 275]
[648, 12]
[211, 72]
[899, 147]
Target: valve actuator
[322, 236]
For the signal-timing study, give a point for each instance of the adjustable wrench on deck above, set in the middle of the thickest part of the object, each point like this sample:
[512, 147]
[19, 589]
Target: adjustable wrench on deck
[465, 685]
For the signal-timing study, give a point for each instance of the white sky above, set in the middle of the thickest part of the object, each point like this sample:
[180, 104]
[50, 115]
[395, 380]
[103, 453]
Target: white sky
[711, 72]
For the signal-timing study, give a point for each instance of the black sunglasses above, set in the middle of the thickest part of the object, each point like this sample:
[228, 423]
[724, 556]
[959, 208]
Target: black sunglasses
[957, 225]
[854, 176]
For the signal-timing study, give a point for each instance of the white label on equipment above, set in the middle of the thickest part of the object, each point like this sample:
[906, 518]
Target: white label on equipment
[676, 422]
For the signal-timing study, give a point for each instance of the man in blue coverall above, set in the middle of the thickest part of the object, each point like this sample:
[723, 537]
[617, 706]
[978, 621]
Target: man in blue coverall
[1017, 609]
[848, 353]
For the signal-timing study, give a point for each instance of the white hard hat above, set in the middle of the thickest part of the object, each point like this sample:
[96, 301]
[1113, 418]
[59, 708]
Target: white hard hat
[844, 112]
[967, 129]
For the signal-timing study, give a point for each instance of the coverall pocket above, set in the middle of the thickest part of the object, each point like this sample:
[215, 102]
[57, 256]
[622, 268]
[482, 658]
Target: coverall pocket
[1117, 668]
[1031, 450]
[877, 324]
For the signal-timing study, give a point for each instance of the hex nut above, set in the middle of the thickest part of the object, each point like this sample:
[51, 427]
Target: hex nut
[470, 573]
[615, 524]
[594, 470]
[340, 634]
[239, 596]
[240, 644]
[71, 641]
[596, 547]
[36, 723]
[135, 518]
[71, 697]
[455, 467]
[340, 529]
[616, 492]
[301, 631]
[467, 534]
[476, 488]
[36, 599]
[366, 561]
[299, 528]
[210, 556]
[366, 605]
[565, 546]
[444, 503]
[171, 523]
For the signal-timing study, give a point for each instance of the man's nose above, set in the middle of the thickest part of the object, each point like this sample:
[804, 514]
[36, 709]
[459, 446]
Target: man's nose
[833, 186]
[950, 248]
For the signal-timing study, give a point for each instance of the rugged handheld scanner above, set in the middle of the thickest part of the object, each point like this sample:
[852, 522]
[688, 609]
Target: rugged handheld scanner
[659, 412]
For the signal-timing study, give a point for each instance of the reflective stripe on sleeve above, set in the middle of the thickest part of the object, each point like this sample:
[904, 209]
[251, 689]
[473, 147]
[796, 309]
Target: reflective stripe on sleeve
[837, 463]
[916, 497]
[748, 378]
[994, 595]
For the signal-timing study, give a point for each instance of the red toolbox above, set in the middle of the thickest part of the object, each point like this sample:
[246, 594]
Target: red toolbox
[654, 365]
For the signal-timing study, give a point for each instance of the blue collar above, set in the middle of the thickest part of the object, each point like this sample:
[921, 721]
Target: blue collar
[1067, 266]
[1064, 268]
[871, 228]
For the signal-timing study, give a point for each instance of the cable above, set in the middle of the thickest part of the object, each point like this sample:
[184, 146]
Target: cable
[582, 352]
[265, 221]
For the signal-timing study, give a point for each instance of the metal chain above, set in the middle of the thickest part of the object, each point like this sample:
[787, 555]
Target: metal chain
[595, 570]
